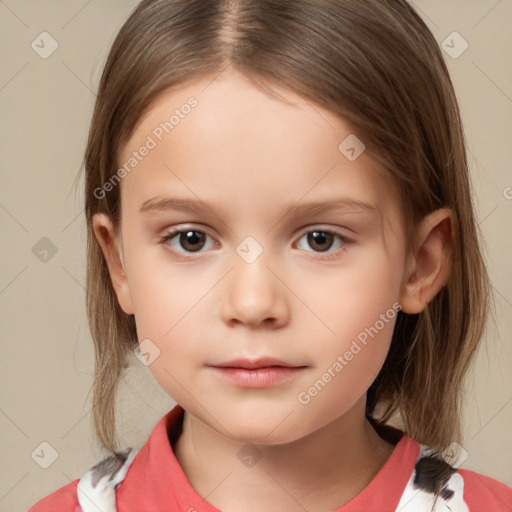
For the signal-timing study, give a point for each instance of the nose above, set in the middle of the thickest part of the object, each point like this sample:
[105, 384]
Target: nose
[255, 295]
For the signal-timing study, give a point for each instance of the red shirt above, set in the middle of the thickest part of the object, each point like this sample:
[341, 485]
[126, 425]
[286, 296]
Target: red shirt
[155, 482]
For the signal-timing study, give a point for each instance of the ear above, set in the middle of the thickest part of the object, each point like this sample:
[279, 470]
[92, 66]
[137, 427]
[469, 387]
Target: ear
[429, 265]
[112, 251]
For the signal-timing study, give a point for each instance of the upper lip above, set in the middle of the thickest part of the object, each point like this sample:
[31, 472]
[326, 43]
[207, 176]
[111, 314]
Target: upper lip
[251, 364]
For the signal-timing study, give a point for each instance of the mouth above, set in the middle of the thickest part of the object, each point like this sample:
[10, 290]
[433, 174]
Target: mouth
[257, 373]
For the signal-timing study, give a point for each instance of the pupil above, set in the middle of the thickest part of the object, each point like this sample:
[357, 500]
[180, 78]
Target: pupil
[317, 238]
[191, 240]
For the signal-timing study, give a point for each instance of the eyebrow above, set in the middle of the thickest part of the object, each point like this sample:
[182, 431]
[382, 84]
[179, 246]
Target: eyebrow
[172, 204]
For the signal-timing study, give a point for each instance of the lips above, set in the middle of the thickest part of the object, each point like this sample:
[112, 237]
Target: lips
[257, 373]
[251, 364]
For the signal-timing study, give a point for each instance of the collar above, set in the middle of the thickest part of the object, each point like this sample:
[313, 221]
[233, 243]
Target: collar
[155, 477]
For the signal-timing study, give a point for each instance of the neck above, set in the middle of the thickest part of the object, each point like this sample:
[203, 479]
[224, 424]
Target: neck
[319, 472]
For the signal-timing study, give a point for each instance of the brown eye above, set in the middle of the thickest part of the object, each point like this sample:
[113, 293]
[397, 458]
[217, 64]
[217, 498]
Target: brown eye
[191, 240]
[322, 240]
[183, 241]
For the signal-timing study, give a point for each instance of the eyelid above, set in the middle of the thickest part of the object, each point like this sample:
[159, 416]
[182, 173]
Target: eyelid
[176, 230]
[188, 227]
[308, 228]
[325, 227]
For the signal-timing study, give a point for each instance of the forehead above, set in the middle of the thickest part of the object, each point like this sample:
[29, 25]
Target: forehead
[225, 139]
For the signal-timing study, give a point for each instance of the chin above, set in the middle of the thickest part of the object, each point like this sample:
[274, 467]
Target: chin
[267, 429]
[255, 434]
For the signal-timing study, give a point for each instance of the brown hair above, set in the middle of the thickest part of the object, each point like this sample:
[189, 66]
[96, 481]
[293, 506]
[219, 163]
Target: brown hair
[374, 63]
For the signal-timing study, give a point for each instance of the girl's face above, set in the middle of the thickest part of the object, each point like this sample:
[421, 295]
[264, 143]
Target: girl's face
[257, 272]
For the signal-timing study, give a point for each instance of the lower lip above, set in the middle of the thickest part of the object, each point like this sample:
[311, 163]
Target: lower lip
[258, 377]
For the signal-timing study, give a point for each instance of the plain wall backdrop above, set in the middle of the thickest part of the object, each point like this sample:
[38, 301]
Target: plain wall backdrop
[47, 352]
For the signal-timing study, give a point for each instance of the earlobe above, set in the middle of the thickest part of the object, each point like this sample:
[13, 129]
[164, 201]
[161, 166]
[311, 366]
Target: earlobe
[430, 263]
[112, 252]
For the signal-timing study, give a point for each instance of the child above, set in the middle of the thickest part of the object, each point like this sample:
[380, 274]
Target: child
[261, 131]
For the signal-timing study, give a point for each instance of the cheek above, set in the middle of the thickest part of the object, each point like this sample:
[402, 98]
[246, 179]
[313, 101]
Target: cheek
[164, 294]
[171, 308]
[356, 310]
[354, 297]
[349, 359]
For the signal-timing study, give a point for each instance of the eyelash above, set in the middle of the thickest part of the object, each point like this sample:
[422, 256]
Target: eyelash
[332, 255]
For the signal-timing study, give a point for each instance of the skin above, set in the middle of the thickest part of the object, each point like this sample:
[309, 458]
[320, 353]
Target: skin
[253, 155]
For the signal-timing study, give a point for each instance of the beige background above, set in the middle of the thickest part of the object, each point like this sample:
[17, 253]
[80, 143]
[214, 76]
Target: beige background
[47, 353]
